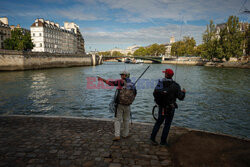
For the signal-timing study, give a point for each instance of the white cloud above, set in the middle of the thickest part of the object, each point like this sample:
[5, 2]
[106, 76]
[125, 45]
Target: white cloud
[144, 36]
[175, 9]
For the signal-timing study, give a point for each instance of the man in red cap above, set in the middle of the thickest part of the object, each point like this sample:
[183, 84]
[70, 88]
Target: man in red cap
[166, 92]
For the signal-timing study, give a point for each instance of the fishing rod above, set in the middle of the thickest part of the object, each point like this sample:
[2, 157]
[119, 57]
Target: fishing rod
[141, 75]
[134, 85]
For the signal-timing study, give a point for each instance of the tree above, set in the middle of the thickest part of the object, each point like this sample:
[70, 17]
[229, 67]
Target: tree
[107, 53]
[116, 53]
[209, 39]
[232, 39]
[189, 44]
[178, 48]
[129, 54]
[140, 52]
[162, 49]
[200, 51]
[19, 41]
[184, 47]
[229, 42]
[247, 38]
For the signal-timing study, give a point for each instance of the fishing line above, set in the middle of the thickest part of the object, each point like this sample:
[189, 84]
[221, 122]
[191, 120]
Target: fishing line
[177, 54]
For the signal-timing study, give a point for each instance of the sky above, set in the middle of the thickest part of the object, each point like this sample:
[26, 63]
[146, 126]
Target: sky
[108, 24]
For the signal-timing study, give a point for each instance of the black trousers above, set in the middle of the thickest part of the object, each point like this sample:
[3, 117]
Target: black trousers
[166, 115]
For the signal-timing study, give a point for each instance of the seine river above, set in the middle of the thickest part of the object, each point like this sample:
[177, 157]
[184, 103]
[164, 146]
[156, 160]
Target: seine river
[217, 99]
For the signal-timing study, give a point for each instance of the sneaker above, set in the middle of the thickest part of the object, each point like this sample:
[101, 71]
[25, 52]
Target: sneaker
[153, 142]
[116, 138]
[164, 144]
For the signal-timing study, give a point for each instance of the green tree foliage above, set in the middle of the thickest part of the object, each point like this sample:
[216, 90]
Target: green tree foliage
[231, 38]
[189, 44]
[153, 50]
[116, 53]
[247, 39]
[210, 41]
[156, 50]
[200, 51]
[140, 52]
[184, 47]
[227, 42]
[19, 41]
[107, 53]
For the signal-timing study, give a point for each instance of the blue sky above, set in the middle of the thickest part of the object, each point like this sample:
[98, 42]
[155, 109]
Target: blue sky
[106, 24]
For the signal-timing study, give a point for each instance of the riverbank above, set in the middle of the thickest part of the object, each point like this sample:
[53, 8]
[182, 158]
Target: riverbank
[228, 64]
[18, 60]
[65, 141]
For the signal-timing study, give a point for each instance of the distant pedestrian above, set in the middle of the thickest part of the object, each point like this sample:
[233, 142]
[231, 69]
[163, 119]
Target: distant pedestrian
[166, 92]
[125, 96]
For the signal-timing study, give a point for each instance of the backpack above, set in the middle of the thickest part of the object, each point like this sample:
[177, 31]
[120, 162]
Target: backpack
[161, 95]
[126, 96]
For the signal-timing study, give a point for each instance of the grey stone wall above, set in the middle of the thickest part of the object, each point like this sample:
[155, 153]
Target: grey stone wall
[21, 60]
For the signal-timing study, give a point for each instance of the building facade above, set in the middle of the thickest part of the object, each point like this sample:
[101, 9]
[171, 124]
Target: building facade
[48, 36]
[5, 31]
[168, 47]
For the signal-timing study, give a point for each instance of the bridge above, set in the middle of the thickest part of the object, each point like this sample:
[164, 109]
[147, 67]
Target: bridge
[155, 59]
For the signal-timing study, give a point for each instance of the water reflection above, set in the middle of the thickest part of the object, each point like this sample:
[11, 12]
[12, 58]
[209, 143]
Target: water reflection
[39, 93]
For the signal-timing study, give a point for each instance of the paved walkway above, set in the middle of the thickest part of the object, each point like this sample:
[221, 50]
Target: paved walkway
[72, 142]
[59, 141]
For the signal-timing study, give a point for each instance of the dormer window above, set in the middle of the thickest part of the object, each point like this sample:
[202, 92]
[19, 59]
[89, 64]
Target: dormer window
[36, 24]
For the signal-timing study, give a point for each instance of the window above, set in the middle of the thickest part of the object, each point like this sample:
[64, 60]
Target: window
[40, 34]
[41, 45]
[33, 34]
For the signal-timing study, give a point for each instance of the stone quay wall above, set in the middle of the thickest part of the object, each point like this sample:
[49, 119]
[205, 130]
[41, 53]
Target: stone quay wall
[21, 60]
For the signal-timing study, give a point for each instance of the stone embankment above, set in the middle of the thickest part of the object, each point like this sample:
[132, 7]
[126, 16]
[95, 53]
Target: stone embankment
[19, 60]
[245, 63]
[71, 142]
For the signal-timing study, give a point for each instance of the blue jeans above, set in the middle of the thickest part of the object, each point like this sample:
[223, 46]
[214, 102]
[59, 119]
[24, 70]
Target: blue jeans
[168, 117]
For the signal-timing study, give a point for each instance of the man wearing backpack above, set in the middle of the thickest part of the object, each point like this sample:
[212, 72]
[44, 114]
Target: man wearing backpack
[125, 97]
[166, 92]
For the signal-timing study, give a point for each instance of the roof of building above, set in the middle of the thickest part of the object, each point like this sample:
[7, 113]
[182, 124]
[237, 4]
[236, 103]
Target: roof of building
[49, 24]
[4, 25]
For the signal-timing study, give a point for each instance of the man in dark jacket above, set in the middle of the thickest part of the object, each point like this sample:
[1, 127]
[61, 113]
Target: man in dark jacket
[166, 92]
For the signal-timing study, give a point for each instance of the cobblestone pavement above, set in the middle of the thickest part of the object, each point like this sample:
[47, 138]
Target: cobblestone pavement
[60, 141]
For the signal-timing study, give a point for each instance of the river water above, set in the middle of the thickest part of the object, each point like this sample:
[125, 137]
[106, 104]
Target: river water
[217, 99]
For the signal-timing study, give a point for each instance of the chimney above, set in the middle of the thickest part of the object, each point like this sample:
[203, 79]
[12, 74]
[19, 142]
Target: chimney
[4, 20]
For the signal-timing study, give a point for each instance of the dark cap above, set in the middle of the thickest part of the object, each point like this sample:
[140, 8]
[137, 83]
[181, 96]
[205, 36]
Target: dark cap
[169, 71]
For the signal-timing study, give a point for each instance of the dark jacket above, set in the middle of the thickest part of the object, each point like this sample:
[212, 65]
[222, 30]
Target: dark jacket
[167, 91]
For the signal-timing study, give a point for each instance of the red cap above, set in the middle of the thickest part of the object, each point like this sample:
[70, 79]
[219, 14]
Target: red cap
[169, 72]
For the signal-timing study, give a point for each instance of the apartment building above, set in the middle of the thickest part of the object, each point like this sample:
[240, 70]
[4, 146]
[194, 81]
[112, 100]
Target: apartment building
[5, 31]
[48, 36]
